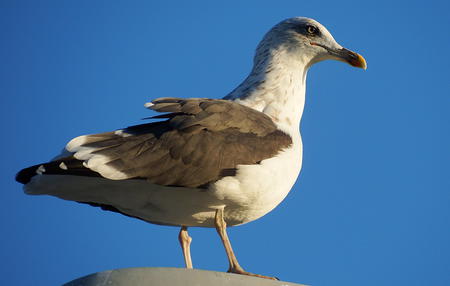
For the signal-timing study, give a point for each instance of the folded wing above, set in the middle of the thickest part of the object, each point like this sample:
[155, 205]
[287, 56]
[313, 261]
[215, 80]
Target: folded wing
[199, 142]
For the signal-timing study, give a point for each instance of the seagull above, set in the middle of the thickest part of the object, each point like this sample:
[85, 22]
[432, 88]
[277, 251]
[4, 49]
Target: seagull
[203, 162]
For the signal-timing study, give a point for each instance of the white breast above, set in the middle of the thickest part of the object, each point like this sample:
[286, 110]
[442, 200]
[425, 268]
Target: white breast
[258, 189]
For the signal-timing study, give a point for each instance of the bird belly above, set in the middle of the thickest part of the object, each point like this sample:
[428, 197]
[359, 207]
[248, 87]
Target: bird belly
[258, 189]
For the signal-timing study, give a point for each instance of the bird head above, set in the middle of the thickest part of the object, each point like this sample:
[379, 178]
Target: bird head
[309, 41]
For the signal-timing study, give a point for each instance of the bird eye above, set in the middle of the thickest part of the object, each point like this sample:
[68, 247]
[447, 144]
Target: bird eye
[311, 30]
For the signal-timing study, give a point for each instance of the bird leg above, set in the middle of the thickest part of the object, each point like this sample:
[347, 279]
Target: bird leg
[234, 266]
[185, 242]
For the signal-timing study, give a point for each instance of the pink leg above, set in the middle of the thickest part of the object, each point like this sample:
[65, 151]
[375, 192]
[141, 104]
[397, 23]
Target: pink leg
[234, 267]
[185, 242]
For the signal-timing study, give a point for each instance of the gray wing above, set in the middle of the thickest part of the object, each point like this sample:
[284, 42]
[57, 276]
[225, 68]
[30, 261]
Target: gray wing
[201, 141]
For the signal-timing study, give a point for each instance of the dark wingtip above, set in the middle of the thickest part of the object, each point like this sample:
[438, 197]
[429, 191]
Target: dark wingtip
[24, 176]
[71, 165]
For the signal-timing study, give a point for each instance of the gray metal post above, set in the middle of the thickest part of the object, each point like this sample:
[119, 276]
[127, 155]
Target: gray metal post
[158, 276]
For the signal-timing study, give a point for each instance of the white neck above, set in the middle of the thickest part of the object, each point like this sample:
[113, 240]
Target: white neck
[276, 86]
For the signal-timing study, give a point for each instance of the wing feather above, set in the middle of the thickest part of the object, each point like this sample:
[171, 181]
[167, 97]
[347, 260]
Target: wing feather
[201, 141]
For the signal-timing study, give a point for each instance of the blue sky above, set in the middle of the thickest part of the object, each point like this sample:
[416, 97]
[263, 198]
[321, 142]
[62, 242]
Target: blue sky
[371, 206]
